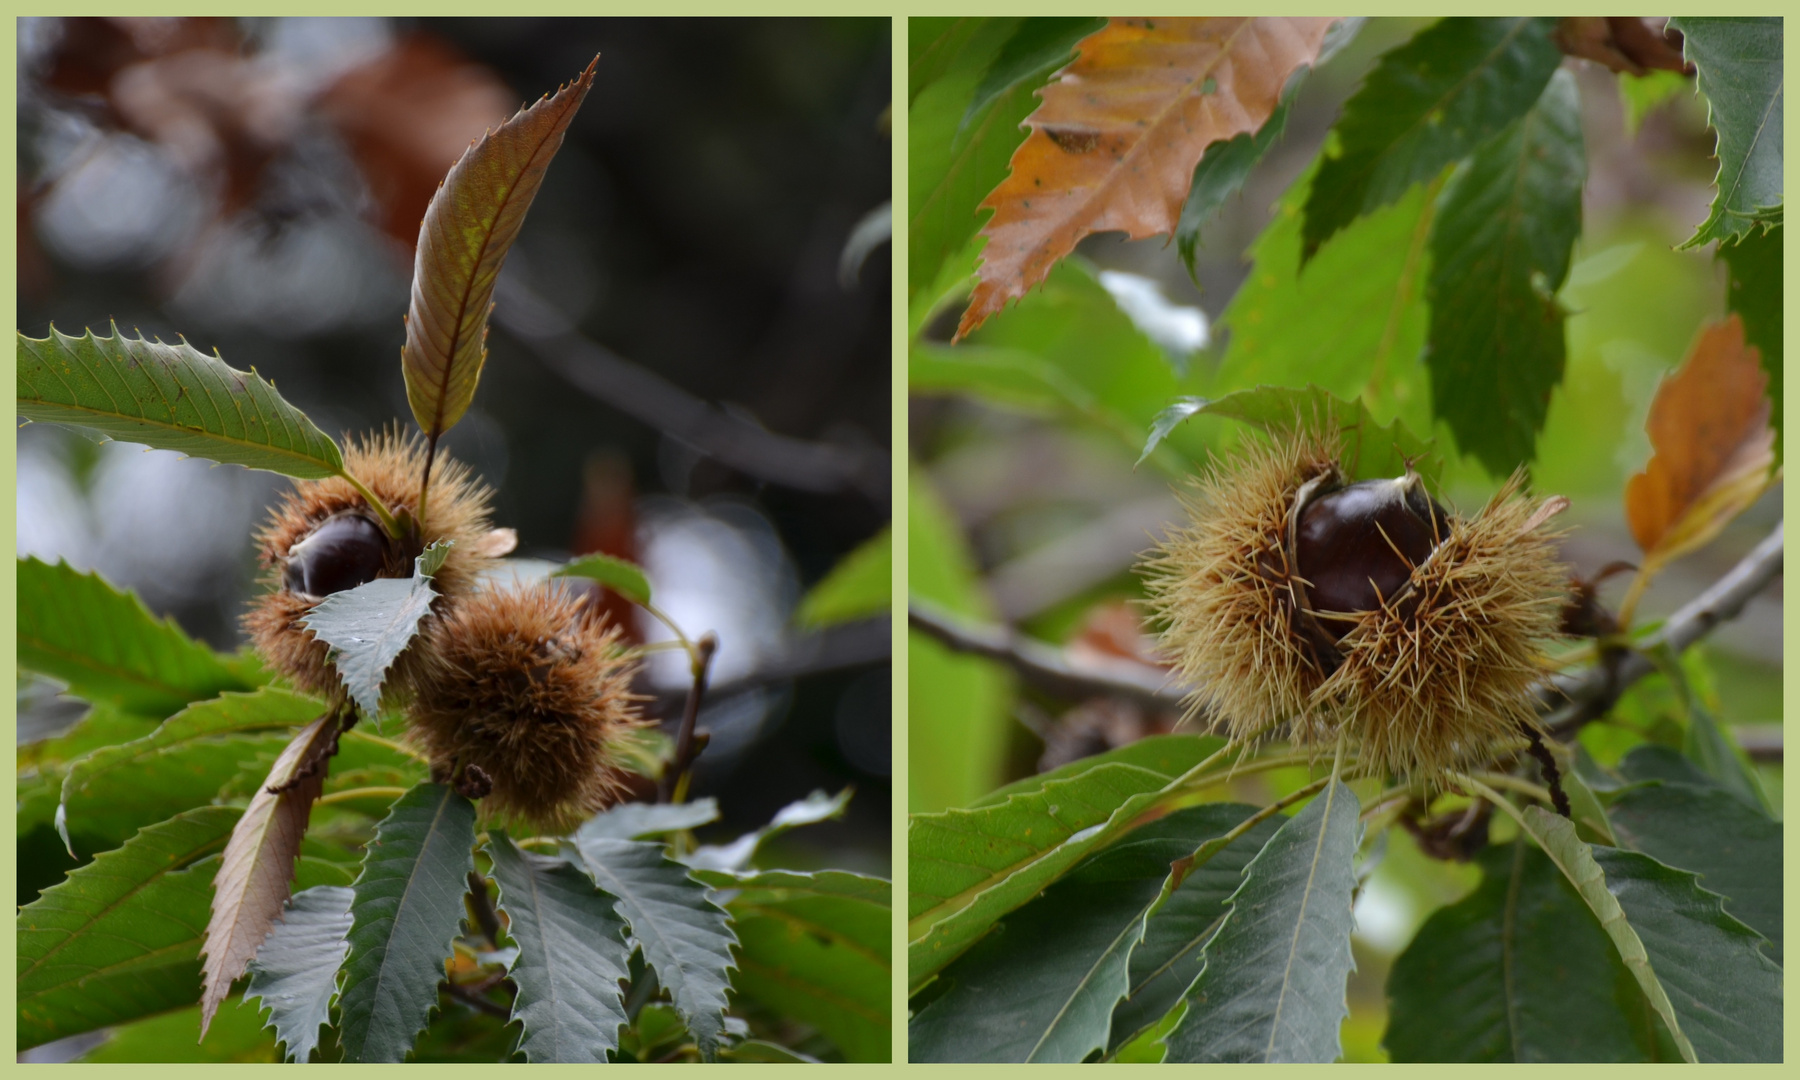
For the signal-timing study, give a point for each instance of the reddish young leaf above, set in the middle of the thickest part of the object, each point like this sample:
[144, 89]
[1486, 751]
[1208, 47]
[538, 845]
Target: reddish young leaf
[257, 870]
[468, 228]
[1709, 426]
[1115, 142]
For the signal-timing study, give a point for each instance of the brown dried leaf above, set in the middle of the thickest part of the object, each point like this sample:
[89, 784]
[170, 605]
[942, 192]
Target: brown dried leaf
[1633, 45]
[1115, 142]
[1709, 427]
[257, 870]
[468, 229]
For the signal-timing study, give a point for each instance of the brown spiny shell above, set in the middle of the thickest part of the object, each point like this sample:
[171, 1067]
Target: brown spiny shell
[538, 697]
[1437, 679]
[390, 464]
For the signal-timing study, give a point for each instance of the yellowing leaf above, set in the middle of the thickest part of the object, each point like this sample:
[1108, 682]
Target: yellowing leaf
[258, 866]
[471, 223]
[1115, 142]
[1709, 426]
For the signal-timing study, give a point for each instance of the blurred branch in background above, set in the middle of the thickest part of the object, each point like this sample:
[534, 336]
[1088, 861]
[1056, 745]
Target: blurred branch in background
[1046, 667]
[846, 645]
[724, 435]
[1569, 701]
[1589, 694]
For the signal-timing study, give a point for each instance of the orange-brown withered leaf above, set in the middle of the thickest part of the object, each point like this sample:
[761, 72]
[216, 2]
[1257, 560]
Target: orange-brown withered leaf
[1709, 428]
[471, 223]
[1114, 144]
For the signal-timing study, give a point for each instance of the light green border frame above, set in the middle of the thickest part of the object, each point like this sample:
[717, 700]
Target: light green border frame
[899, 10]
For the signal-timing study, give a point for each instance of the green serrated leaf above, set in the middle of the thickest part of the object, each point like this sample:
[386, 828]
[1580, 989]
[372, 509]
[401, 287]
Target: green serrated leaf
[815, 808]
[1222, 170]
[116, 790]
[572, 954]
[1168, 755]
[1518, 971]
[119, 938]
[1499, 253]
[1044, 985]
[686, 937]
[817, 948]
[1755, 294]
[408, 906]
[368, 627]
[636, 821]
[968, 868]
[1273, 988]
[1739, 67]
[1428, 103]
[1735, 850]
[471, 224]
[1702, 970]
[236, 1037]
[107, 646]
[623, 577]
[1370, 450]
[294, 975]
[1171, 955]
[169, 397]
[1353, 322]
[860, 585]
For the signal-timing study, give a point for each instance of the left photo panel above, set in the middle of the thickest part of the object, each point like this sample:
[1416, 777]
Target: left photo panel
[520, 690]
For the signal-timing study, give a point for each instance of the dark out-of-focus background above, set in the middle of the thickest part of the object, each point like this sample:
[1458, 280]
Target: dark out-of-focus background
[685, 368]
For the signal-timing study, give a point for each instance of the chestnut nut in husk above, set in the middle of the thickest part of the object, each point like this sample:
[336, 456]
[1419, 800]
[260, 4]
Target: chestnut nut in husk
[1300, 605]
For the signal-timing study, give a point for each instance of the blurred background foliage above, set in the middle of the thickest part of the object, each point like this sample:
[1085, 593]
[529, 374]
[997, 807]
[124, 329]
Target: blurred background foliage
[687, 367]
[1026, 508]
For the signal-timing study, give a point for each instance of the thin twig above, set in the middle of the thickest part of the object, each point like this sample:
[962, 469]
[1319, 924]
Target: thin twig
[725, 436]
[1572, 700]
[1044, 666]
[673, 785]
[476, 1001]
[850, 644]
[483, 906]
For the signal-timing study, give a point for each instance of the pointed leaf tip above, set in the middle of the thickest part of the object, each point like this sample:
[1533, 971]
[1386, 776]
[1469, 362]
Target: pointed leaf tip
[470, 225]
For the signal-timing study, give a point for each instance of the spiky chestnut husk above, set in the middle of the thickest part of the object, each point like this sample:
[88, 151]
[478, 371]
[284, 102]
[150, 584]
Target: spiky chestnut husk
[522, 686]
[391, 465]
[1435, 675]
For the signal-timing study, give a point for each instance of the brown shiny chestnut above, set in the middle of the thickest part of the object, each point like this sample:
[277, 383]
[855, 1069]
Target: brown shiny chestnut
[1356, 547]
[345, 551]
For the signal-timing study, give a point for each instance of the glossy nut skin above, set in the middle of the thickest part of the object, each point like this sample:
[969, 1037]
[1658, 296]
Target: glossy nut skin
[346, 551]
[1357, 546]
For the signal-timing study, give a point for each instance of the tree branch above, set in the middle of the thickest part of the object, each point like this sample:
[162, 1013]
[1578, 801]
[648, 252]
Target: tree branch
[1568, 701]
[1046, 667]
[846, 645]
[725, 436]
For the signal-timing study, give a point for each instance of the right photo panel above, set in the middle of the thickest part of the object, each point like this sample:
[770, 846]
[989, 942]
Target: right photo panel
[1344, 539]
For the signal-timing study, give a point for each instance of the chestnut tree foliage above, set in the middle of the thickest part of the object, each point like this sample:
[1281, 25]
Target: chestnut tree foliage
[279, 874]
[1615, 878]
